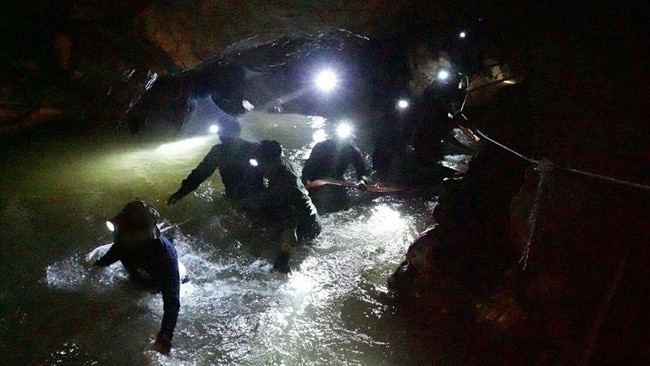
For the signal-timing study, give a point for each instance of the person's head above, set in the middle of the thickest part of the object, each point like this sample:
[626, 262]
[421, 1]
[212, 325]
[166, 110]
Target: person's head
[342, 132]
[136, 225]
[229, 130]
[269, 154]
[324, 150]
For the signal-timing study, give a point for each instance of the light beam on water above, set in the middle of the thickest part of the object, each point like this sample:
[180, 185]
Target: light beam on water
[328, 311]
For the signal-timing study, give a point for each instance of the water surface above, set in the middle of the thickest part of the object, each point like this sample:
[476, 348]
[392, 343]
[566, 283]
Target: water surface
[56, 309]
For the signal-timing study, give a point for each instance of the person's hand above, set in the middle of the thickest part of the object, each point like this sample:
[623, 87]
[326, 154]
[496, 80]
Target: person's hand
[362, 185]
[162, 346]
[281, 264]
[174, 198]
[307, 185]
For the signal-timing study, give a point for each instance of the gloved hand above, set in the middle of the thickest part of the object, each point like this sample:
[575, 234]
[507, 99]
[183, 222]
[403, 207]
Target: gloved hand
[362, 185]
[174, 198]
[162, 345]
[281, 264]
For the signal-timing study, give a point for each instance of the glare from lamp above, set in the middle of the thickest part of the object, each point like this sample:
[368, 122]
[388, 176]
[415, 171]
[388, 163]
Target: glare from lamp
[110, 226]
[462, 35]
[253, 162]
[326, 80]
[183, 145]
[343, 130]
[214, 129]
[402, 104]
[442, 75]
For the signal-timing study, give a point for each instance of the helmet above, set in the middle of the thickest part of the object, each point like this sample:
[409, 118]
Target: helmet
[136, 224]
[228, 127]
[269, 150]
[341, 132]
[323, 150]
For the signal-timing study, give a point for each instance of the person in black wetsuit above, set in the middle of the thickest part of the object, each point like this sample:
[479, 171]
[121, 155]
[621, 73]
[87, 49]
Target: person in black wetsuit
[330, 159]
[240, 178]
[286, 200]
[149, 258]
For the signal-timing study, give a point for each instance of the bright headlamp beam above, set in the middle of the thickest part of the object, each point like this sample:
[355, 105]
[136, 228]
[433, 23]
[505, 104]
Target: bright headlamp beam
[110, 226]
[442, 75]
[344, 130]
[253, 162]
[183, 145]
[214, 129]
[402, 104]
[326, 80]
[462, 35]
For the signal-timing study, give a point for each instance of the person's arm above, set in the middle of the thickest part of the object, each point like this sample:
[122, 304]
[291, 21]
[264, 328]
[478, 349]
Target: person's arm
[274, 199]
[354, 156]
[113, 255]
[308, 171]
[170, 288]
[204, 170]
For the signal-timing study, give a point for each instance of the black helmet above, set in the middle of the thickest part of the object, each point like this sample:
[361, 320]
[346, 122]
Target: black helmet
[138, 216]
[228, 127]
[269, 150]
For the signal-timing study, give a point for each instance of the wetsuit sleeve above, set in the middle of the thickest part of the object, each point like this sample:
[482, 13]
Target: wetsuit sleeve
[113, 255]
[205, 169]
[308, 172]
[354, 156]
[318, 166]
[170, 288]
[276, 199]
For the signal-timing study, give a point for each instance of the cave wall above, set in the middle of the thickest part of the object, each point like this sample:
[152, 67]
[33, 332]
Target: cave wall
[581, 297]
[61, 57]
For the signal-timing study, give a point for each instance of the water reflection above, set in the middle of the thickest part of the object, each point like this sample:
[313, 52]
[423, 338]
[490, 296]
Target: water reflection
[234, 310]
[386, 219]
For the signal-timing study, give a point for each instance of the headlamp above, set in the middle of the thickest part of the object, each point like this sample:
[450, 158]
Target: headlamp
[343, 130]
[442, 74]
[326, 80]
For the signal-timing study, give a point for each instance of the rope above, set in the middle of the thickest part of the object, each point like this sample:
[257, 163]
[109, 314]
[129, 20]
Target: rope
[478, 132]
[600, 317]
[570, 170]
[544, 168]
[609, 179]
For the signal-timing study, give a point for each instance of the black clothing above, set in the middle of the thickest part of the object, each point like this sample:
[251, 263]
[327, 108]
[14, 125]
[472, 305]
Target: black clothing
[330, 198]
[239, 177]
[330, 160]
[288, 201]
[157, 264]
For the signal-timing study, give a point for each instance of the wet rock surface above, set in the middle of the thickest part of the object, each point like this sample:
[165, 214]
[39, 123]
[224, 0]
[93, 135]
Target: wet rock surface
[69, 55]
[582, 295]
[566, 283]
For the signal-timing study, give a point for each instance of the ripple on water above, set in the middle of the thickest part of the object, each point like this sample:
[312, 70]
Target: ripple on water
[329, 311]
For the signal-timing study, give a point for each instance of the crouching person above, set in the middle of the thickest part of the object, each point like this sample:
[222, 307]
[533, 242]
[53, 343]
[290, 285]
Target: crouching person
[149, 258]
